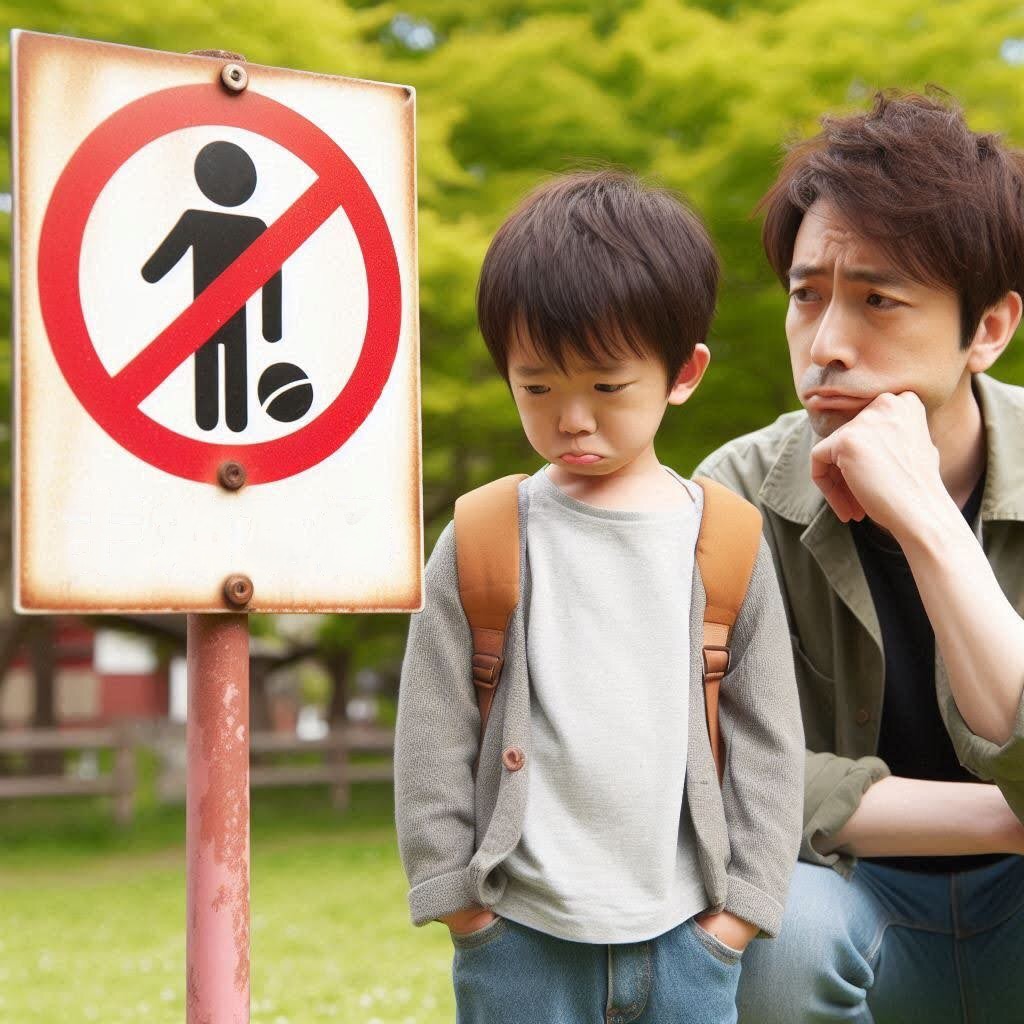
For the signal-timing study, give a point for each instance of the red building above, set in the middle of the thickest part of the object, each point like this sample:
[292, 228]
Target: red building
[100, 676]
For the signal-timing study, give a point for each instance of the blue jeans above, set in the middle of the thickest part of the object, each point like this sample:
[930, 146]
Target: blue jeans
[506, 973]
[892, 947]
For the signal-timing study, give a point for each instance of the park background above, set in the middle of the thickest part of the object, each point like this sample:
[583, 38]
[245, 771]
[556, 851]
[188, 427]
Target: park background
[698, 96]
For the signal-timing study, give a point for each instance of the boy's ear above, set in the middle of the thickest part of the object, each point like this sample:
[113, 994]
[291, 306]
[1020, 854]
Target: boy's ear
[689, 376]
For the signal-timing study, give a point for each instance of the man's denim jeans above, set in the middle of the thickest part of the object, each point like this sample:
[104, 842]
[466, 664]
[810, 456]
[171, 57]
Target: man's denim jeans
[507, 973]
[892, 947]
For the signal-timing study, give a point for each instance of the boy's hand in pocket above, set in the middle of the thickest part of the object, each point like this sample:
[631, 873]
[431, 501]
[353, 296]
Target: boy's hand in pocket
[732, 930]
[470, 919]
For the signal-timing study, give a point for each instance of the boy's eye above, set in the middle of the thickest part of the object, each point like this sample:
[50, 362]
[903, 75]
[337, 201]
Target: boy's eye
[803, 294]
[610, 389]
[877, 301]
[536, 389]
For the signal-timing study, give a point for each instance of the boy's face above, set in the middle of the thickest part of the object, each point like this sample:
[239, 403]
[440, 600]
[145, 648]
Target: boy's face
[858, 326]
[596, 420]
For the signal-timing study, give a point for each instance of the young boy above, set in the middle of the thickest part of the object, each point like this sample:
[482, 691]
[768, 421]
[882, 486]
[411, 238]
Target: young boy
[593, 869]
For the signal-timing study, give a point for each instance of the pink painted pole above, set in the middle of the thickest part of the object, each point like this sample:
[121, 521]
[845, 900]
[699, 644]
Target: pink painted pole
[217, 820]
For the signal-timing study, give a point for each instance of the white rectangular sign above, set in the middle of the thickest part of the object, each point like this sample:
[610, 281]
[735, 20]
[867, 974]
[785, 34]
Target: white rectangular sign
[216, 336]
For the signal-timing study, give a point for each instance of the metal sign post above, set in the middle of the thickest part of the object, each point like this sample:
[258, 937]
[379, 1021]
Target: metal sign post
[217, 825]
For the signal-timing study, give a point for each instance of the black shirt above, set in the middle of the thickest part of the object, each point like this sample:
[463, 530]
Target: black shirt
[912, 741]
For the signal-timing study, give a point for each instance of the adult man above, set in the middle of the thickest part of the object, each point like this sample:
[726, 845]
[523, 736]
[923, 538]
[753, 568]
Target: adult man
[899, 235]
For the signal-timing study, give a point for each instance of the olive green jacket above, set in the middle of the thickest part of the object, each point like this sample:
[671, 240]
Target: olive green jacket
[837, 643]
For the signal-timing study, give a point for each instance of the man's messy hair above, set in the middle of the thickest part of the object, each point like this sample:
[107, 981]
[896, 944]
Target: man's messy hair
[944, 203]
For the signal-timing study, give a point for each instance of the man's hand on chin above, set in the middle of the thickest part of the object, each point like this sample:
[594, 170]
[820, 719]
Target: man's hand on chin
[881, 464]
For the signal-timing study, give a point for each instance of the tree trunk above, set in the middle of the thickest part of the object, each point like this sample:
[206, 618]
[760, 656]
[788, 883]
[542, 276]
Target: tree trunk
[259, 707]
[43, 657]
[338, 665]
[11, 639]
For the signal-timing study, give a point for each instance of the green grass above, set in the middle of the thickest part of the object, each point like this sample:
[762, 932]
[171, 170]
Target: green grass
[92, 917]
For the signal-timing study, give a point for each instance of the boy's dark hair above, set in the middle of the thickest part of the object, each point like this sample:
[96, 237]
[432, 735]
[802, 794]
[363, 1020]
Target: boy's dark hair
[598, 264]
[945, 204]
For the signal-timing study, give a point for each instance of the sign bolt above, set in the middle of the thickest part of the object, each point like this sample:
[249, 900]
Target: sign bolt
[234, 77]
[231, 476]
[238, 590]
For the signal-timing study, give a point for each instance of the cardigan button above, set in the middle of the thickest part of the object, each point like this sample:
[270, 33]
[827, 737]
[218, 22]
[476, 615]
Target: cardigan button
[863, 716]
[513, 758]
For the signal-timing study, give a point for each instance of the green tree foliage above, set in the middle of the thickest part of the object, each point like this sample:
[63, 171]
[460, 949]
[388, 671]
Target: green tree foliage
[699, 96]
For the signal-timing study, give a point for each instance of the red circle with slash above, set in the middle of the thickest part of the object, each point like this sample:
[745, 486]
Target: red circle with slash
[113, 400]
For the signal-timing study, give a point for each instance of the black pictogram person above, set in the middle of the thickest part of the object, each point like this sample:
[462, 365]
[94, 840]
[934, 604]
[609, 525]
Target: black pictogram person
[227, 176]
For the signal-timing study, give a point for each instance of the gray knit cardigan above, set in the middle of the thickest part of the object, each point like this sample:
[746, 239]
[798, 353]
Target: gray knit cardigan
[454, 832]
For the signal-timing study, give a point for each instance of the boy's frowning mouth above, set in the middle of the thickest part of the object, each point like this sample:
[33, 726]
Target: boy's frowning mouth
[580, 458]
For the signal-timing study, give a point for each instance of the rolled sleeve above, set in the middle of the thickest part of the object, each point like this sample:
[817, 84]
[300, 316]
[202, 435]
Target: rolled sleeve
[833, 787]
[1002, 763]
[440, 895]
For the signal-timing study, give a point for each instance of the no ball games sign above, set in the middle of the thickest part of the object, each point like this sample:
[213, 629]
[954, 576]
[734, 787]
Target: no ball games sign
[216, 346]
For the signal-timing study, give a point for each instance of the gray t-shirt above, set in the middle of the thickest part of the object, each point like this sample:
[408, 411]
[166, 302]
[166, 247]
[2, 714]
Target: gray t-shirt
[605, 854]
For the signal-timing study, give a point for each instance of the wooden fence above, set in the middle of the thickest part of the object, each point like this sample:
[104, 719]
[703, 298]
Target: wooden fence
[332, 765]
[274, 762]
[120, 783]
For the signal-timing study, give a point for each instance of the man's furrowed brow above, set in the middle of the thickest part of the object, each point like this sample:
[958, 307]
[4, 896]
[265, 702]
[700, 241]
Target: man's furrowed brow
[870, 275]
[864, 275]
[802, 271]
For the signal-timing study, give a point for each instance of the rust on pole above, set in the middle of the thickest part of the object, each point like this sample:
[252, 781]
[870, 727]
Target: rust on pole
[217, 820]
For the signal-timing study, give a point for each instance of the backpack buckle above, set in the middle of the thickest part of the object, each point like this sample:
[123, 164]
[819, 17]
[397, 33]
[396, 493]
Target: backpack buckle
[716, 666]
[487, 669]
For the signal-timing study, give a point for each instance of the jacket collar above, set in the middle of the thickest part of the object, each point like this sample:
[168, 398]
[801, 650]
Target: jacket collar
[1002, 411]
[788, 489]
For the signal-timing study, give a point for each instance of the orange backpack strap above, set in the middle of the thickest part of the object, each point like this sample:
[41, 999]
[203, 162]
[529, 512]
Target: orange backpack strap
[727, 546]
[487, 558]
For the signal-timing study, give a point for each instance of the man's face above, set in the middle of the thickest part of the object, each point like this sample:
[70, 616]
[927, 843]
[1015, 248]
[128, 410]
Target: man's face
[589, 420]
[858, 326]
